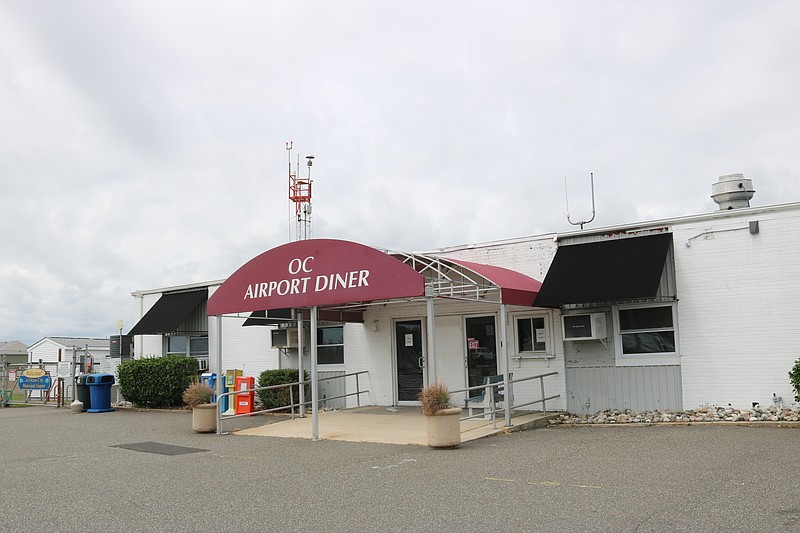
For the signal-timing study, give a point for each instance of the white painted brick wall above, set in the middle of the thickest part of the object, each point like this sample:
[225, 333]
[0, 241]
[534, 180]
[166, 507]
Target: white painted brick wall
[739, 301]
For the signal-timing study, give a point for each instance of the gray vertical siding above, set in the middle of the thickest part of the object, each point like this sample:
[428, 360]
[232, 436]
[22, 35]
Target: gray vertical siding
[332, 388]
[639, 388]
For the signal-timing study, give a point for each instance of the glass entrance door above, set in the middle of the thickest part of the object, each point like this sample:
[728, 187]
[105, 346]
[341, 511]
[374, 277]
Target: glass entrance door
[410, 359]
[481, 350]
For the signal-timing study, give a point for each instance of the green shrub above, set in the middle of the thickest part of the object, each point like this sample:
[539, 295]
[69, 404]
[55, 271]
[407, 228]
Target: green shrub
[271, 399]
[794, 377]
[157, 382]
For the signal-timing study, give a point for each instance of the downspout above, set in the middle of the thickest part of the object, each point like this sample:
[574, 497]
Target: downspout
[300, 373]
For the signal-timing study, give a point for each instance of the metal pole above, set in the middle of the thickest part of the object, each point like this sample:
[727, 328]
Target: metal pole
[431, 340]
[509, 396]
[314, 384]
[59, 390]
[544, 405]
[300, 373]
[4, 375]
[220, 376]
[72, 376]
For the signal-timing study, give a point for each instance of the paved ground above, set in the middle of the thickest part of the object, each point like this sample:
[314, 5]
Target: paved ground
[64, 472]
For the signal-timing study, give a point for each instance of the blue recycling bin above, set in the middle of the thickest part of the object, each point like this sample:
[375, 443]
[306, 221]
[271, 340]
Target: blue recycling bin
[100, 392]
[210, 379]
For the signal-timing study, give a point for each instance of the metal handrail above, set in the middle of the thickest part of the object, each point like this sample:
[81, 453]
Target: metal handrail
[509, 397]
[292, 405]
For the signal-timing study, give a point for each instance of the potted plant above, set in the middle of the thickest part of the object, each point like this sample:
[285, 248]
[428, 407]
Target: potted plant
[444, 426]
[204, 413]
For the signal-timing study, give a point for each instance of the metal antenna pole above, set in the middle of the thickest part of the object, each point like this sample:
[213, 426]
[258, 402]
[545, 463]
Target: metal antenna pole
[582, 222]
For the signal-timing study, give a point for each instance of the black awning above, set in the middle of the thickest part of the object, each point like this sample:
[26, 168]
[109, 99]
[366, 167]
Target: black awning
[281, 316]
[268, 318]
[605, 271]
[168, 312]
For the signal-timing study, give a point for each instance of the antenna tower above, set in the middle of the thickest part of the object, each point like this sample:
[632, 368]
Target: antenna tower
[300, 194]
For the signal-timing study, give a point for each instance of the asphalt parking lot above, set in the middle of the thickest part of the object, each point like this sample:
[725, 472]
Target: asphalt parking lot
[91, 472]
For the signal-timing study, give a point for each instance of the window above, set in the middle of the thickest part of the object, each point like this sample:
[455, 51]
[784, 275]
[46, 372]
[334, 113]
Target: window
[198, 346]
[531, 335]
[194, 346]
[647, 330]
[330, 345]
[176, 345]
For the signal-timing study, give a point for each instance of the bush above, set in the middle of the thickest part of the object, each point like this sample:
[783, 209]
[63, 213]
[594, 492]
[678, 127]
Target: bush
[157, 382]
[794, 377]
[271, 399]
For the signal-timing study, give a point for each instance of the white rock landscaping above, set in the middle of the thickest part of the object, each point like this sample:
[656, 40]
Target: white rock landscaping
[701, 414]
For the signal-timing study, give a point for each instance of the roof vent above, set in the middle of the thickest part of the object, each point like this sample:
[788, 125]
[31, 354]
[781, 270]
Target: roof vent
[732, 191]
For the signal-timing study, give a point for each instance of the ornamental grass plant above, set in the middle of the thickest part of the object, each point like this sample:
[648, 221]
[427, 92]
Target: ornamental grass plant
[434, 398]
[197, 394]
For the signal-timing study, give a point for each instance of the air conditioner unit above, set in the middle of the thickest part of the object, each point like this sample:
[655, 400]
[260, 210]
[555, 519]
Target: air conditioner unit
[284, 338]
[585, 327]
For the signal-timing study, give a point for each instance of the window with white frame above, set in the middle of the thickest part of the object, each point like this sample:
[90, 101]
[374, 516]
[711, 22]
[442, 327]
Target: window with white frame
[647, 330]
[330, 345]
[531, 335]
[196, 346]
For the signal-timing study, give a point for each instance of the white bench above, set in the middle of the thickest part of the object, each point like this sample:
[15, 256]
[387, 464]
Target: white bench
[484, 401]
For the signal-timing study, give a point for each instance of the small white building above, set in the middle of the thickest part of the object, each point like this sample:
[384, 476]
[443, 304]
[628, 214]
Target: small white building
[667, 314]
[51, 350]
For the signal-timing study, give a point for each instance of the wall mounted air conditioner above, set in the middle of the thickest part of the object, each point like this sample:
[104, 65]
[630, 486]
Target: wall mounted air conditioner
[584, 327]
[284, 338]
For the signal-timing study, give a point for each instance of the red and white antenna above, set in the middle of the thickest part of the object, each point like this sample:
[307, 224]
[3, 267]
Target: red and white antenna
[300, 194]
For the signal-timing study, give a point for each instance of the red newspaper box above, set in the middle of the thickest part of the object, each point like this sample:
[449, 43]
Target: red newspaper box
[245, 400]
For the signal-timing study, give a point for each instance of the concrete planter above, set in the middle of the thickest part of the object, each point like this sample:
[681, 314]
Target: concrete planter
[444, 428]
[204, 418]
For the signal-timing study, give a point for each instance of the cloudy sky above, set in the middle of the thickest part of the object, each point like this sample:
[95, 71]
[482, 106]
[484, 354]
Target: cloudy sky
[142, 143]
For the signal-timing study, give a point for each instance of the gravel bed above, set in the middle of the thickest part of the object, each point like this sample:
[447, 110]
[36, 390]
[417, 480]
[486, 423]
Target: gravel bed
[702, 414]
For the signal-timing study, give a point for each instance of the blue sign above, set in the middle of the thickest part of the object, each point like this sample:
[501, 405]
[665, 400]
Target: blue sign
[37, 383]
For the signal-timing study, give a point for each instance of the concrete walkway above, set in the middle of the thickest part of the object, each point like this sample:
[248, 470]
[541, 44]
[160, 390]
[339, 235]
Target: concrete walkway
[389, 425]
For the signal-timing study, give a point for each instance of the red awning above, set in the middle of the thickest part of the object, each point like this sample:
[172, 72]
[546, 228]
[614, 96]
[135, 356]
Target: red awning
[515, 288]
[315, 272]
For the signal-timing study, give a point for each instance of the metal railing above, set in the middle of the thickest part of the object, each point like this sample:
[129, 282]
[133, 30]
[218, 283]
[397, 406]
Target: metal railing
[292, 405]
[508, 396]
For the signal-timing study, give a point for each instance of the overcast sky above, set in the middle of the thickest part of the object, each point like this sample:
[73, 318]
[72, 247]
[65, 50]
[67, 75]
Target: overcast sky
[142, 143]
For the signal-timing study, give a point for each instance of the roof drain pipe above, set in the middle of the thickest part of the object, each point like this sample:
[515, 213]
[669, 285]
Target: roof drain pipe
[509, 396]
[314, 384]
[300, 373]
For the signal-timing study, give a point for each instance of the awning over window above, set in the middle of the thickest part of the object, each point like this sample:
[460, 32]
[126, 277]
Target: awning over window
[268, 318]
[515, 288]
[169, 312]
[605, 271]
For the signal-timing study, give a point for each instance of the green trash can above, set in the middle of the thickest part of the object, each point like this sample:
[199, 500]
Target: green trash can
[82, 391]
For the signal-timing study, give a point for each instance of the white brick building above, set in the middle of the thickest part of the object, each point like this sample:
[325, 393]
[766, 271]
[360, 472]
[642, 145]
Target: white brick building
[697, 310]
